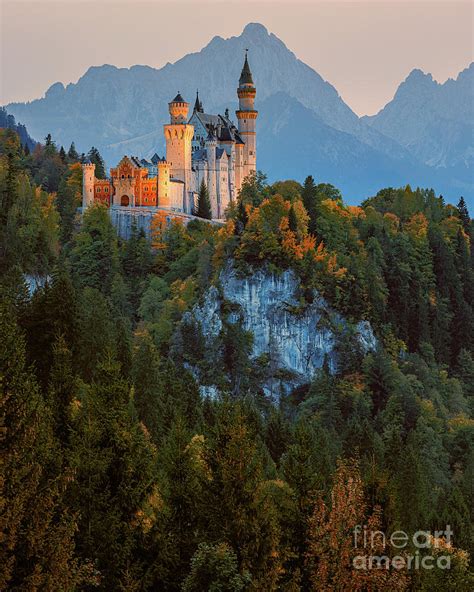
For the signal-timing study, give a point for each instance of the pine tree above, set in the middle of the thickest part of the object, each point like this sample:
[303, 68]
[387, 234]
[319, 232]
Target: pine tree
[72, 154]
[292, 220]
[307, 466]
[204, 205]
[94, 156]
[309, 197]
[62, 154]
[94, 255]
[96, 332]
[180, 527]
[215, 567]
[464, 215]
[237, 513]
[114, 487]
[242, 217]
[37, 531]
[146, 382]
[67, 208]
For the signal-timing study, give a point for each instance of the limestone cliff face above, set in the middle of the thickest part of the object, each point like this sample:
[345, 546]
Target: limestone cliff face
[297, 338]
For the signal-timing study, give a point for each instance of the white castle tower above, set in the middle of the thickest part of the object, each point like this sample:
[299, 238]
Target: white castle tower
[247, 118]
[179, 134]
[88, 180]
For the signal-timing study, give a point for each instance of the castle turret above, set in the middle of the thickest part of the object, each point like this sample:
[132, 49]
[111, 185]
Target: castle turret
[163, 187]
[211, 145]
[247, 120]
[88, 182]
[178, 109]
[179, 135]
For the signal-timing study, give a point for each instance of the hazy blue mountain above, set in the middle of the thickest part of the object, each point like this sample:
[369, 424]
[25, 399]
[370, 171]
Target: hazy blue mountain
[7, 120]
[306, 143]
[122, 111]
[435, 122]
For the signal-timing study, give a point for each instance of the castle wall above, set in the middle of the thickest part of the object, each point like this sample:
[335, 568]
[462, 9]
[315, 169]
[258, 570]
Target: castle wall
[164, 189]
[103, 191]
[177, 197]
[222, 176]
[123, 219]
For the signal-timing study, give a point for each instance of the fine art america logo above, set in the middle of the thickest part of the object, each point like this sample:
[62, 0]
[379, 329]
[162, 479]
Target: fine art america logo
[422, 550]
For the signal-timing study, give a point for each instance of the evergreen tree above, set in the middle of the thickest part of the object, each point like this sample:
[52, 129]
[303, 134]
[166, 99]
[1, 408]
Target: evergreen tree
[49, 146]
[292, 220]
[66, 203]
[94, 156]
[237, 513]
[62, 154]
[96, 332]
[309, 197]
[214, 567]
[204, 205]
[464, 215]
[182, 475]
[307, 466]
[94, 255]
[114, 486]
[72, 154]
[37, 530]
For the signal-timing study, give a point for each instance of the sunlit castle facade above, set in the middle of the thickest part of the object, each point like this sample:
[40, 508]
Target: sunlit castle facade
[201, 147]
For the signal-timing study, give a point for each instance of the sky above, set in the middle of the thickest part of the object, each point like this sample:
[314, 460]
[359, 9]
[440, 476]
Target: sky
[365, 49]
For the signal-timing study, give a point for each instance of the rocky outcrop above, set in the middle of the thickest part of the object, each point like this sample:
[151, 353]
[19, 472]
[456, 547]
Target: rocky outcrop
[298, 338]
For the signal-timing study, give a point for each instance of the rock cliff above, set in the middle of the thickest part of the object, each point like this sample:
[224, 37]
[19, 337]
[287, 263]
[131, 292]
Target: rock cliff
[297, 338]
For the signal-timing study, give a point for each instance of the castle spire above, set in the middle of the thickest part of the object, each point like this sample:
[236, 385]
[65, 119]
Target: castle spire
[246, 75]
[197, 104]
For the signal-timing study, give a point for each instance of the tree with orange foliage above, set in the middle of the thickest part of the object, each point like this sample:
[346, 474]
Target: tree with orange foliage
[276, 231]
[331, 549]
[158, 226]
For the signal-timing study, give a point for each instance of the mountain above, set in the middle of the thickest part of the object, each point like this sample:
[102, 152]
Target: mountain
[122, 110]
[306, 143]
[8, 121]
[435, 122]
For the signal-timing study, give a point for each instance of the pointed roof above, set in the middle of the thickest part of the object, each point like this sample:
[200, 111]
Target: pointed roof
[178, 98]
[198, 104]
[246, 74]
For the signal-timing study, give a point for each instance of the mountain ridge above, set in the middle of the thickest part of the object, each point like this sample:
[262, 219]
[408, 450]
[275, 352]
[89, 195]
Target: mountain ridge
[111, 107]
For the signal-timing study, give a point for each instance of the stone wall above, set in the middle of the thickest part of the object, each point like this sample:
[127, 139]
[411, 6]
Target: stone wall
[123, 218]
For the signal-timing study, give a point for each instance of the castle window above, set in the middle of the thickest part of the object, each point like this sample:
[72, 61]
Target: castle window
[106, 189]
[97, 189]
[123, 176]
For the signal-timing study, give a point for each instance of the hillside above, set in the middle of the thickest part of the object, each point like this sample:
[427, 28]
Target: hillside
[224, 407]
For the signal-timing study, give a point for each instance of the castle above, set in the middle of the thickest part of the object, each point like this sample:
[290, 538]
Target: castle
[205, 147]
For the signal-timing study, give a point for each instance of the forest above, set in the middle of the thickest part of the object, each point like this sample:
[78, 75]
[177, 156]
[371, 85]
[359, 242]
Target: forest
[118, 473]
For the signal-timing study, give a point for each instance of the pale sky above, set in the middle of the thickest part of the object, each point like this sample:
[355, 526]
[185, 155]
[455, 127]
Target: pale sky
[365, 49]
